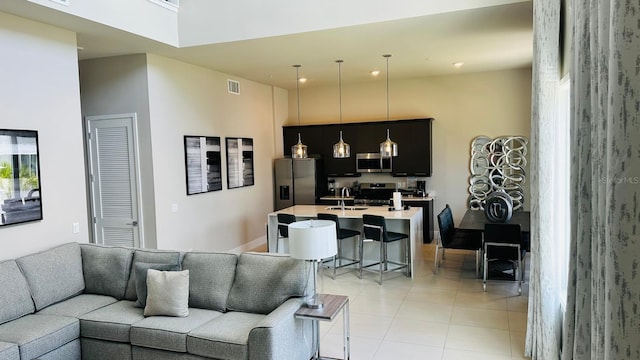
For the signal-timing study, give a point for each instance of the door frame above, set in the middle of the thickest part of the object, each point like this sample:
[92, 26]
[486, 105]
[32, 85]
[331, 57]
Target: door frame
[137, 173]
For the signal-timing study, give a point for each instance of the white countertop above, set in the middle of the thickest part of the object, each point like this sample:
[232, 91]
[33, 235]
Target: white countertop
[404, 198]
[416, 198]
[313, 210]
[337, 197]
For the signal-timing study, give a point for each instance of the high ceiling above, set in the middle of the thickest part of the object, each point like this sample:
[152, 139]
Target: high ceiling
[485, 39]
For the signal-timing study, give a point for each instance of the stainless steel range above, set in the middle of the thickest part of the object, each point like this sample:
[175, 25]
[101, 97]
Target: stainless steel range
[374, 194]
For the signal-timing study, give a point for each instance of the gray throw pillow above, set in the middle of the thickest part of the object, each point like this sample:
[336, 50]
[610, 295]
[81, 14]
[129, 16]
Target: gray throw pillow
[167, 293]
[140, 276]
[148, 256]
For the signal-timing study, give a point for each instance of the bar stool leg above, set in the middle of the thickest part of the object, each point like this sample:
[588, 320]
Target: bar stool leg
[382, 259]
[361, 256]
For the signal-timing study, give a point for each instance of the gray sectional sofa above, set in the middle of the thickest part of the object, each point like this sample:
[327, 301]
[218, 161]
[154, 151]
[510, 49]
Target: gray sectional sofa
[78, 301]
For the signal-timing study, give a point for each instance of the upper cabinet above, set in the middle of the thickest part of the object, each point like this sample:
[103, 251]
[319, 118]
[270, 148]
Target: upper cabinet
[370, 135]
[310, 136]
[339, 167]
[412, 136]
[414, 148]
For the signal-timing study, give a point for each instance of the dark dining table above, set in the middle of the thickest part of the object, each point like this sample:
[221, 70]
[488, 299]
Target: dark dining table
[475, 220]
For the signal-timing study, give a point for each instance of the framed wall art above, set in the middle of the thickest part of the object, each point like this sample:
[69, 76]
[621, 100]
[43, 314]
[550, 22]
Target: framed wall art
[20, 199]
[203, 164]
[239, 162]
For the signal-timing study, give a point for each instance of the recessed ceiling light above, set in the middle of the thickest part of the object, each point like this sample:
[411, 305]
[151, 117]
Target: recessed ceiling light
[458, 64]
[375, 73]
[303, 80]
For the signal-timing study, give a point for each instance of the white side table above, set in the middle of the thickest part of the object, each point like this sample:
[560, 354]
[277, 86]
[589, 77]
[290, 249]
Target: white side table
[333, 304]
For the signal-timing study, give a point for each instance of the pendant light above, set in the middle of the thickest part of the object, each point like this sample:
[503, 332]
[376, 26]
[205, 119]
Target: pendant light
[388, 148]
[341, 149]
[299, 150]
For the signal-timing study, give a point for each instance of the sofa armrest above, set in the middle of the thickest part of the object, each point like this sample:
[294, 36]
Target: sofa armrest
[281, 336]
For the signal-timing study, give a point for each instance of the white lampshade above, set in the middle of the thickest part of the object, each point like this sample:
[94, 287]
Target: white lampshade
[312, 239]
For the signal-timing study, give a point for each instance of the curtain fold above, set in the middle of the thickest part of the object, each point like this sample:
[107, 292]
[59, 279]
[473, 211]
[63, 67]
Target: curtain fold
[602, 319]
[543, 319]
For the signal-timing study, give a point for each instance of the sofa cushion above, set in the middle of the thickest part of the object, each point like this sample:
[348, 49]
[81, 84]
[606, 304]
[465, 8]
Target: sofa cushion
[37, 335]
[210, 279]
[53, 275]
[167, 293]
[149, 256]
[78, 305]
[106, 269]
[14, 293]
[140, 274]
[225, 337]
[264, 281]
[68, 351]
[9, 351]
[169, 333]
[112, 322]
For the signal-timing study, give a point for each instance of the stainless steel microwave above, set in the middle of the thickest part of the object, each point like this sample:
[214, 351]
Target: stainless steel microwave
[372, 163]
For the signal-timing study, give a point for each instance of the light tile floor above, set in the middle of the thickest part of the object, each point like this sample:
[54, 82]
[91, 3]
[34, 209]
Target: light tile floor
[446, 316]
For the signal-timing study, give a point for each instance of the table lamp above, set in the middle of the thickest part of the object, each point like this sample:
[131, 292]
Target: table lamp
[313, 240]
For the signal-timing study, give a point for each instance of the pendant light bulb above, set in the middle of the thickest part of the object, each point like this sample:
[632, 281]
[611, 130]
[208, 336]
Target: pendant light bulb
[341, 149]
[388, 148]
[299, 150]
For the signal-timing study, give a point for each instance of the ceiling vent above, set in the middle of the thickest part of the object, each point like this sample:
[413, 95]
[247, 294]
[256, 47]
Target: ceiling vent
[233, 86]
[63, 2]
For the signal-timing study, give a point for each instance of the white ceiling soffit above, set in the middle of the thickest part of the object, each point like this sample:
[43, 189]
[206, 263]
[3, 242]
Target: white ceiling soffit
[208, 22]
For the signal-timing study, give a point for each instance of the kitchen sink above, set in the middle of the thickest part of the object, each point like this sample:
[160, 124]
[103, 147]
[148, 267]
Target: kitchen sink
[346, 208]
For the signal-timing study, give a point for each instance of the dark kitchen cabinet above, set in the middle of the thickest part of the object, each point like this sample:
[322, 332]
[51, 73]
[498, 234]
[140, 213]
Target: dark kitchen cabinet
[310, 135]
[339, 167]
[414, 147]
[412, 136]
[370, 135]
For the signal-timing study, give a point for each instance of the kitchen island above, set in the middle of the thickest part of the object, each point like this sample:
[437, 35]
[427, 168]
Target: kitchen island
[403, 221]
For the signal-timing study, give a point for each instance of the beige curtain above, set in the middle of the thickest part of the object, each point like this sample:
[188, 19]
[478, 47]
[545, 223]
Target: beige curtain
[602, 320]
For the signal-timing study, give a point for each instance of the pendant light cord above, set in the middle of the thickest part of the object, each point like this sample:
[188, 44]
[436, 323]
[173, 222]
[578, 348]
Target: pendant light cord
[298, 89]
[340, 87]
[387, 56]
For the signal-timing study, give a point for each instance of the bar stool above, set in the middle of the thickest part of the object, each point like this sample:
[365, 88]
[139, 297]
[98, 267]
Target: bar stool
[283, 227]
[341, 234]
[375, 229]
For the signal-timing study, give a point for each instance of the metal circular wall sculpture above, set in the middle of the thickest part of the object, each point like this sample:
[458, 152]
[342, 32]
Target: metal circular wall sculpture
[497, 164]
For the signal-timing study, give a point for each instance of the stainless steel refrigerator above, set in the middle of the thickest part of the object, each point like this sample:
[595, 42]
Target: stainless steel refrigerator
[298, 182]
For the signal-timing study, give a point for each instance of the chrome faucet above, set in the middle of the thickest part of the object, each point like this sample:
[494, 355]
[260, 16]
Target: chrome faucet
[345, 190]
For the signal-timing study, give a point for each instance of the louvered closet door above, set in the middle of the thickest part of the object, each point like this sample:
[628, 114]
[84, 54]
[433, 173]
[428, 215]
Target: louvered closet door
[113, 179]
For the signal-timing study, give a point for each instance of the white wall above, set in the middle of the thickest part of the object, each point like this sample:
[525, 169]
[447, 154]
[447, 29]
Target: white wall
[190, 100]
[464, 106]
[39, 91]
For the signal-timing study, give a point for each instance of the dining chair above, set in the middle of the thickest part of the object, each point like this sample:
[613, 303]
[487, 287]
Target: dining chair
[504, 252]
[341, 234]
[283, 227]
[375, 229]
[454, 238]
